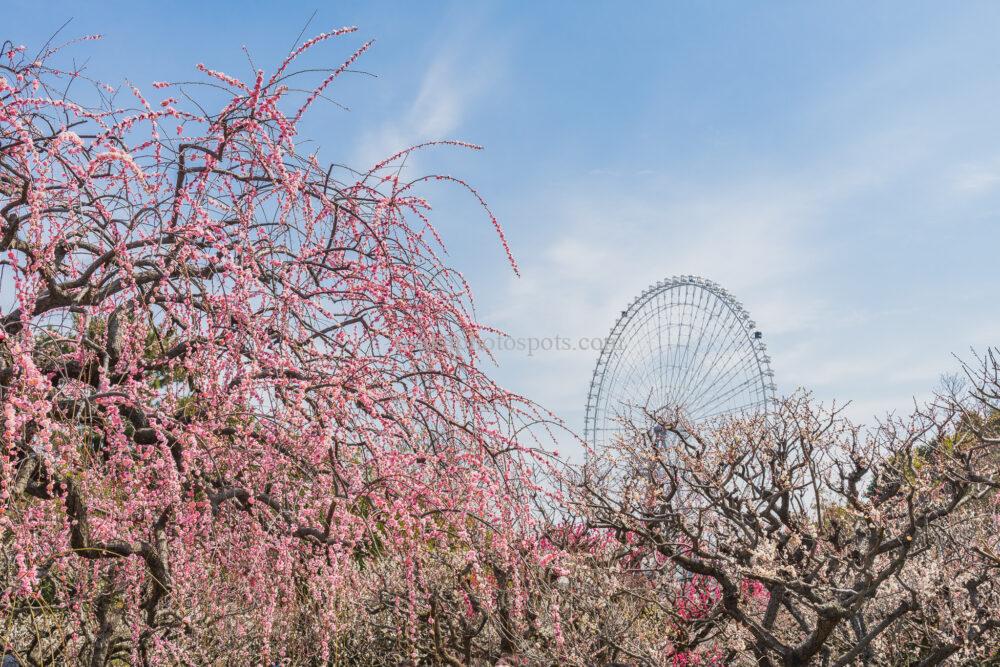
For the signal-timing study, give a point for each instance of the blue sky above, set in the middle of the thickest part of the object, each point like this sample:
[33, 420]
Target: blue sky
[836, 167]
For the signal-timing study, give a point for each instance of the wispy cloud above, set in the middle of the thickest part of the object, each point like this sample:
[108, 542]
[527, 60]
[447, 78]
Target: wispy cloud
[458, 75]
[977, 178]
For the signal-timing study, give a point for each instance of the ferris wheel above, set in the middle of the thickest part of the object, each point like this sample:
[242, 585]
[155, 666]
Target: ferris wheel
[684, 345]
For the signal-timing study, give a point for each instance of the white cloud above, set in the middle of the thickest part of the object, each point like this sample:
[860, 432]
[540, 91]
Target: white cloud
[977, 178]
[457, 78]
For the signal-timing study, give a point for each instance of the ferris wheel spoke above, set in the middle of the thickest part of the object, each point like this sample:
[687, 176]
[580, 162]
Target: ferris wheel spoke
[726, 393]
[714, 355]
[668, 309]
[624, 361]
[702, 323]
[727, 360]
[731, 368]
[677, 307]
[736, 410]
[685, 363]
[735, 340]
[661, 372]
[629, 366]
[652, 373]
[693, 371]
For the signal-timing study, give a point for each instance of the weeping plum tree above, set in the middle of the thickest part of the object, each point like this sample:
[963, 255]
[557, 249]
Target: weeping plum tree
[242, 409]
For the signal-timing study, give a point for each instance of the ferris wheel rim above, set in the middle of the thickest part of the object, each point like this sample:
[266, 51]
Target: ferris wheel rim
[757, 349]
